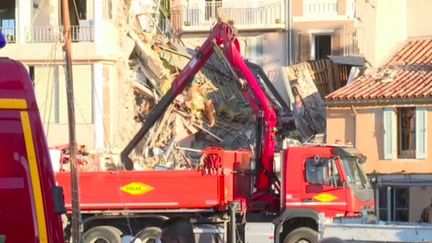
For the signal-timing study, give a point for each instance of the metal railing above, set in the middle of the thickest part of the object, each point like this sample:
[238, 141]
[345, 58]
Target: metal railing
[45, 34]
[320, 8]
[251, 13]
[9, 33]
[261, 15]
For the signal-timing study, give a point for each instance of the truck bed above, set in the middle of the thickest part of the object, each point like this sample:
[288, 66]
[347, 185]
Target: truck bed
[141, 190]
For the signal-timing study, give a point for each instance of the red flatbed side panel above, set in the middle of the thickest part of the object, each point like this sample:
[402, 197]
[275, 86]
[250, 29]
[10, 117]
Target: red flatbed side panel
[142, 190]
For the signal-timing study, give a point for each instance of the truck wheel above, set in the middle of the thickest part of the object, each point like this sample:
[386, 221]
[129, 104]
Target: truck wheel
[302, 235]
[149, 234]
[102, 234]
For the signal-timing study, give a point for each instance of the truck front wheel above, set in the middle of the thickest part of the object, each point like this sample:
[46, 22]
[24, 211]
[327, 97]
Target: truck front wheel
[302, 235]
[102, 234]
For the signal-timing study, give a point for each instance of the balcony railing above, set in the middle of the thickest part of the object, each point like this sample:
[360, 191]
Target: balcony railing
[244, 14]
[45, 34]
[321, 8]
[9, 33]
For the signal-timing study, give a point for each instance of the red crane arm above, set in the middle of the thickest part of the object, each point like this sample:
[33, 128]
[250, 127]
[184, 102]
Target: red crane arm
[221, 36]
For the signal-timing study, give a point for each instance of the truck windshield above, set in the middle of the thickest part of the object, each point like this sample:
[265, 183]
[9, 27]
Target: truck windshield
[354, 172]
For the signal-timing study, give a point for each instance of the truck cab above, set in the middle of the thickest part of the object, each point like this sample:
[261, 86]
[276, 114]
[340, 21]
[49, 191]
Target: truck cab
[30, 201]
[328, 179]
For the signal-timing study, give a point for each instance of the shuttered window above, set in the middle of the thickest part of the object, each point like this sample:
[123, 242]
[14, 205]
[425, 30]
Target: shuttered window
[405, 133]
[51, 96]
[255, 50]
[389, 133]
[421, 133]
[46, 88]
[82, 75]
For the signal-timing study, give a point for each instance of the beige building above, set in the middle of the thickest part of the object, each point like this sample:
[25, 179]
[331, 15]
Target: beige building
[35, 37]
[322, 28]
[385, 115]
[382, 26]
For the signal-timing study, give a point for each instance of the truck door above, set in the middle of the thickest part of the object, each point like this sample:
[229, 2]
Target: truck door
[324, 187]
[19, 220]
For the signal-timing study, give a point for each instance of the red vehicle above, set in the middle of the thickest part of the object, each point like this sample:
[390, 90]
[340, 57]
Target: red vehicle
[30, 201]
[235, 194]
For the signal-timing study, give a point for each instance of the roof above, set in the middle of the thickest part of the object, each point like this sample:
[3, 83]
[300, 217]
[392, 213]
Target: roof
[408, 75]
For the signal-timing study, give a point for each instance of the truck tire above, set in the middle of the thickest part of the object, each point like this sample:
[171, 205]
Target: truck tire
[149, 234]
[102, 234]
[302, 235]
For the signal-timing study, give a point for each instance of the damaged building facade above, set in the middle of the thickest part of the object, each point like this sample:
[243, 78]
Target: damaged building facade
[276, 33]
[108, 56]
[125, 56]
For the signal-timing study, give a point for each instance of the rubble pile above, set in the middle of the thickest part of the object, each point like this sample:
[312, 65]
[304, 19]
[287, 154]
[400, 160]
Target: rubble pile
[211, 112]
[308, 105]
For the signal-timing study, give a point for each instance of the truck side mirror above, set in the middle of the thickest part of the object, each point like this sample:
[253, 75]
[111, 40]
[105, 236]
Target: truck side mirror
[59, 204]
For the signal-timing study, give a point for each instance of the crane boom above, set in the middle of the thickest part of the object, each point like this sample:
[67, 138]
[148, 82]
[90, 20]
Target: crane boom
[222, 36]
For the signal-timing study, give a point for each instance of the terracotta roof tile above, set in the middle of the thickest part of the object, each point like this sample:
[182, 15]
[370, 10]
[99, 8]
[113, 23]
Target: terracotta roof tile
[408, 74]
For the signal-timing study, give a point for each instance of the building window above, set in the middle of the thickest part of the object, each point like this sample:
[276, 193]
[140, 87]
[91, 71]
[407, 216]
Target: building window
[7, 20]
[254, 50]
[398, 206]
[405, 130]
[107, 8]
[50, 89]
[322, 46]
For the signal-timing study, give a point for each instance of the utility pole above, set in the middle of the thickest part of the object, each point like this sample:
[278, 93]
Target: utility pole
[67, 48]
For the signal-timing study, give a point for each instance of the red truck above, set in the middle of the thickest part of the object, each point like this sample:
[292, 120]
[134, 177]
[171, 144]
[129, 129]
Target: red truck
[235, 195]
[30, 201]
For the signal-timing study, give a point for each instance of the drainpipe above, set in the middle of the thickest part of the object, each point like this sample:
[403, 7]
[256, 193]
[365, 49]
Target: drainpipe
[288, 42]
[354, 111]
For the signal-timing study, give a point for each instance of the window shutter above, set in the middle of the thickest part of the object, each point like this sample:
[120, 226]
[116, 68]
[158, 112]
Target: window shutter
[255, 50]
[46, 88]
[82, 82]
[62, 96]
[421, 133]
[389, 133]
[83, 87]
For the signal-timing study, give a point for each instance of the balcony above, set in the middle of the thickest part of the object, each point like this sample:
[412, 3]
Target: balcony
[324, 10]
[196, 16]
[46, 34]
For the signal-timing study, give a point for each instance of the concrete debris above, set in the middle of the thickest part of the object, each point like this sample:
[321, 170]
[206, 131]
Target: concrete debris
[212, 111]
[308, 106]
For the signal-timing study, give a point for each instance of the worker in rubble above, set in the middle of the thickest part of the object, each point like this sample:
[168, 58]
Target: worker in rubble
[177, 230]
[426, 215]
[83, 150]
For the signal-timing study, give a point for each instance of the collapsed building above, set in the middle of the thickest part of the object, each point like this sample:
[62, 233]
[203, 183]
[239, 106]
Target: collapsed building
[212, 112]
